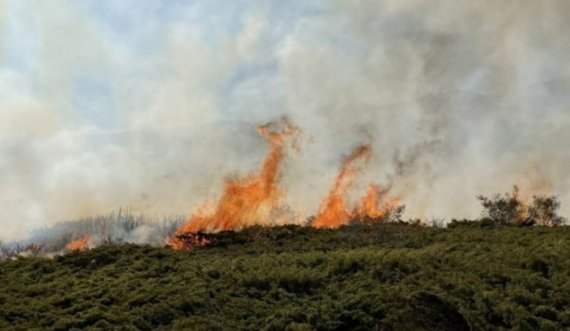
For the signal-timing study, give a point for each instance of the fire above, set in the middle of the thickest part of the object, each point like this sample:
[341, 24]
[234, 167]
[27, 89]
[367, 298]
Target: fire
[79, 244]
[532, 183]
[524, 203]
[334, 210]
[246, 201]
[529, 185]
[257, 198]
[376, 204]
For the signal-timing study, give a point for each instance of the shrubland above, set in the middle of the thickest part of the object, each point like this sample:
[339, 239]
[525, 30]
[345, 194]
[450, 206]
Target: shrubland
[507, 270]
[392, 276]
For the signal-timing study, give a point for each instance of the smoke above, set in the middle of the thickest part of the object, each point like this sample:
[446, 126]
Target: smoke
[149, 106]
[457, 98]
[120, 226]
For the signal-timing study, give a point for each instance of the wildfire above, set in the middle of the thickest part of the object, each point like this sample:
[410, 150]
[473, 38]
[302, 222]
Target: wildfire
[529, 185]
[79, 244]
[258, 198]
[245, 201]
[376, 204]
[334, 211]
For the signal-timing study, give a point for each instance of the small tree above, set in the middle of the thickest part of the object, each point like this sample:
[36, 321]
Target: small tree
[509, 208]
[544, 211]
[505, 209]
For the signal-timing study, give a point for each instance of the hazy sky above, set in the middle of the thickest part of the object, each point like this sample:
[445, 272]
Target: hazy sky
[150, 104]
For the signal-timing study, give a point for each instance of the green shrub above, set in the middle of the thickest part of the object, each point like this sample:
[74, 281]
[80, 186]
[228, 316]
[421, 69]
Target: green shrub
[392, 276]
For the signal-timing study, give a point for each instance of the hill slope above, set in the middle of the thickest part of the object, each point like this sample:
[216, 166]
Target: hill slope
[386, 277]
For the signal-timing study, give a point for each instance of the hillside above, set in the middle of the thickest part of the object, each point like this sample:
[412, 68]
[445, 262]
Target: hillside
[384, 277]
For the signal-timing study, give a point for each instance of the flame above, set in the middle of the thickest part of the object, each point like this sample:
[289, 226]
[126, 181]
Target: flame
[524, 201]
[376, 204]
[334, 210]
[250, 200]
[79, 244]
[370, 201]
[529, 185]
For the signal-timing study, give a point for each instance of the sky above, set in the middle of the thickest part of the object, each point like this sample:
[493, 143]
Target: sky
[149, 105]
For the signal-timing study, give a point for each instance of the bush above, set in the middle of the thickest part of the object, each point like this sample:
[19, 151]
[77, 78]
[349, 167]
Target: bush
[505, 209]
[544, 211]
[510, 209]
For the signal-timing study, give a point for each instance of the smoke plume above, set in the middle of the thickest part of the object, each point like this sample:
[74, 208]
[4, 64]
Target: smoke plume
[150, 105]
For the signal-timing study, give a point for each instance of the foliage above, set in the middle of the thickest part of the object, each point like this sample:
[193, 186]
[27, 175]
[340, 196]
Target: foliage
[390, 214]
[510, 208]
[505, 209]
[392, 276]
[544, 211]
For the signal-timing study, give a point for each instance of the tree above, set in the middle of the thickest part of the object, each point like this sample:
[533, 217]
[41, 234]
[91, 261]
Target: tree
[509, 208]
[544, 211]
[505, 209]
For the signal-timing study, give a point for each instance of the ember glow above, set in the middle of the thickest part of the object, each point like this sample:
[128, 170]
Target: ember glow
[79, 244]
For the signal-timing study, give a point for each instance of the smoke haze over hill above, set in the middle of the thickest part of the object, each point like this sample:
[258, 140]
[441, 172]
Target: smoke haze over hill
[151, 105]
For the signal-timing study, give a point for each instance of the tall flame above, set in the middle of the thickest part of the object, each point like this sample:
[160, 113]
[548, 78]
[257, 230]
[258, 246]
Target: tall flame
[334, 211]
[376, 204]
[79, 244]
[250, 200]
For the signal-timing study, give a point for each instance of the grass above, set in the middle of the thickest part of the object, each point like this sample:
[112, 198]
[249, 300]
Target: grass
[382, 277]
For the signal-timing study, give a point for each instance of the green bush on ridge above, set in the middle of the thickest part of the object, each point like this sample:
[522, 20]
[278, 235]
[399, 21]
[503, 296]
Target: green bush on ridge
[509, 208]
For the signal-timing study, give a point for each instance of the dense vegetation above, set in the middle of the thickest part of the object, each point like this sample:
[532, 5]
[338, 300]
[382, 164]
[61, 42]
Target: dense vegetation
[471, 275]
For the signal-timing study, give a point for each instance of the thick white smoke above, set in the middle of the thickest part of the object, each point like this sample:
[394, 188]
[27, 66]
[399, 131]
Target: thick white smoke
[135, 104]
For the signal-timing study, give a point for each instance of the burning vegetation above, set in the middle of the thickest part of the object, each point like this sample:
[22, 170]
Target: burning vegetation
[257, 199]
[79, 244]
[334, 210]
[375, 205]
[245, 201]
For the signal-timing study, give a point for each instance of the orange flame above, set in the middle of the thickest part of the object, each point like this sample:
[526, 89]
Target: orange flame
[370, 201]
[246, 201]
[376, 204]
[79, 244]
[334, 211]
